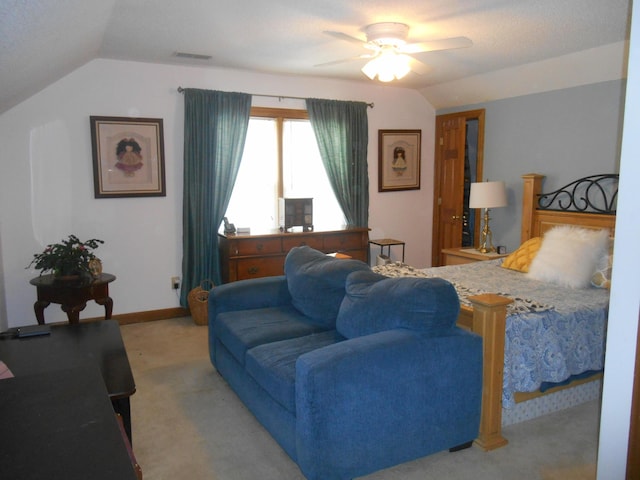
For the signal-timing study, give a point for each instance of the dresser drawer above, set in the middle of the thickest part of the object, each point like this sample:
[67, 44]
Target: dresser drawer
[255, 246]
[253, 256]
[343, 241]
[298, 240]
[259, 267]
[358, 255]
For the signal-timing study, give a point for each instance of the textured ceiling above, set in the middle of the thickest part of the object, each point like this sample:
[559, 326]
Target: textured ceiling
[43, 40]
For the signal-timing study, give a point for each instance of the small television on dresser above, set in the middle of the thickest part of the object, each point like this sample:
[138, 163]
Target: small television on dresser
[295, 212]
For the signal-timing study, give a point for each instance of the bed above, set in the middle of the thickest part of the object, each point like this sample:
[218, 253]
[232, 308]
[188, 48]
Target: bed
[536, 338]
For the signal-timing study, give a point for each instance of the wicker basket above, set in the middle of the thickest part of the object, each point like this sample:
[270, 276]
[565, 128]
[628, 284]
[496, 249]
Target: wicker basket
[198, 300]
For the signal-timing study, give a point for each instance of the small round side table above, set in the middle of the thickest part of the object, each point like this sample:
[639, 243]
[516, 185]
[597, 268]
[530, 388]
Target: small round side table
[72, 295]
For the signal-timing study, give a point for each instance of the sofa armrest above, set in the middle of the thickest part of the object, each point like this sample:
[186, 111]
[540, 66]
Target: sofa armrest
[378, 400]
[249, 294]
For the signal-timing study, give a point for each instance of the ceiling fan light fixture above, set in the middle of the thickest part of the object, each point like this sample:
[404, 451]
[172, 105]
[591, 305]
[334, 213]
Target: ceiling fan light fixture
[402, 65]
[386, 76]
[370, 69]
[387, 33]
[388, 66]
[390, 51]
[390, 41]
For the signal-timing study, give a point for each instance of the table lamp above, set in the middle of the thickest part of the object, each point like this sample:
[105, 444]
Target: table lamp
[487, 195]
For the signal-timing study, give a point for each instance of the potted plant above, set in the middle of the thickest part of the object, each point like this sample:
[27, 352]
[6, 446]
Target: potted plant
[71, 258]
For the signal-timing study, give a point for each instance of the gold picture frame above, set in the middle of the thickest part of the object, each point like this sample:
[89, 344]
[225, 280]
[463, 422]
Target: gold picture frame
[399, 160]
[128, 157]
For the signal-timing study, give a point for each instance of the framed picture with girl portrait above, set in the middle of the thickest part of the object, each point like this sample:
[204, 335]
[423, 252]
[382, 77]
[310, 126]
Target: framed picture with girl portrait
[128, 157]
[398, 160]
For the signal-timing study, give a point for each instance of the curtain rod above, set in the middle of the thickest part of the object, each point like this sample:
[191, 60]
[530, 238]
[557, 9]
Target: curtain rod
[279, 97]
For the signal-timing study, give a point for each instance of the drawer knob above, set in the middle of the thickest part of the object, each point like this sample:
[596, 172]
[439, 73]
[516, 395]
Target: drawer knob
[259, 247]
[253, 270]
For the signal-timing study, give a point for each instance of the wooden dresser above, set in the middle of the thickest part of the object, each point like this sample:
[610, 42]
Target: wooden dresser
[262, 255]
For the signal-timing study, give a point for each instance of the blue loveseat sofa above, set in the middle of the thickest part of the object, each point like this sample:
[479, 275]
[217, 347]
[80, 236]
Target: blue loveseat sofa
[351, 372]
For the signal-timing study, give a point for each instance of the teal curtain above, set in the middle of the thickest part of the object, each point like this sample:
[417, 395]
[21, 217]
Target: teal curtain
[215, 129]
[342, 132]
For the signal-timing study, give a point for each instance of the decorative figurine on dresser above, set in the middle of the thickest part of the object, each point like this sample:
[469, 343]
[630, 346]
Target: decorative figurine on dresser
[296, 212]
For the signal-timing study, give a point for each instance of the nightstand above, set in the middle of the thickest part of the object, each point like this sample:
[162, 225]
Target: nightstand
[387, 242]
[459, 256]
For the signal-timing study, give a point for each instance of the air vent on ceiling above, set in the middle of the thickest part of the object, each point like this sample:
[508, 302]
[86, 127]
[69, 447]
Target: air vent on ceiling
[194, 56]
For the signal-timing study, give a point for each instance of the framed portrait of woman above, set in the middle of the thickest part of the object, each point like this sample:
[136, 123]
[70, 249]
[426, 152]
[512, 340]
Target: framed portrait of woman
[128, 157]
[398, 160]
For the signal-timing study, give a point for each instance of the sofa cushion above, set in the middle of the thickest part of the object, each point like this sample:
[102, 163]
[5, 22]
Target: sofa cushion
[273, 365]
[316, 282]
[242, 330]
[374, 303]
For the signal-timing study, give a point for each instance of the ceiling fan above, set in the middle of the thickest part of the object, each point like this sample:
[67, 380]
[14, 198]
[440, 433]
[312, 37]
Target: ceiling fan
[390, 53]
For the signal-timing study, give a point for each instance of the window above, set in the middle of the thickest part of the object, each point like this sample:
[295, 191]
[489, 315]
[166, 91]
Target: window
[281, 159]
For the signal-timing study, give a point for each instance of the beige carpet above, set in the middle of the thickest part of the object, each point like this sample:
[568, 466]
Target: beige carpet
[188, 424]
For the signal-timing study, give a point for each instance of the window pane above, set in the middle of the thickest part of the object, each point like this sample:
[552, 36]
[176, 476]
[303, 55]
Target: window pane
[304, 175]
[254, 200]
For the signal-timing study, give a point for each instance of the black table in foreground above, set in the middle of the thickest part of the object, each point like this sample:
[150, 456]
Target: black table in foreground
[95, 344]
[60, 426]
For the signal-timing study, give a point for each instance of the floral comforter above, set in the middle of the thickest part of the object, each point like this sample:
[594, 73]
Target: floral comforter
[552, 332]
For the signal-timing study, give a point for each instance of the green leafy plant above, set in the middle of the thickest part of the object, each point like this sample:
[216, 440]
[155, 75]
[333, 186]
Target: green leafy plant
[69, 257]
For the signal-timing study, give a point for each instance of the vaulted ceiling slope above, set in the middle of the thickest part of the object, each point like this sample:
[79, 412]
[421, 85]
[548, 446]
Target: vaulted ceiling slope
[41, 41]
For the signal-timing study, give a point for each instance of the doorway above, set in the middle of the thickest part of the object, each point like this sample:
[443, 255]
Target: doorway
[458, 163]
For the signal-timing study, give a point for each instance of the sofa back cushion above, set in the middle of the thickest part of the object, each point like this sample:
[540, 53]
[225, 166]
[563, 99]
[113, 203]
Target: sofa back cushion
[374, 303]
[317, 282]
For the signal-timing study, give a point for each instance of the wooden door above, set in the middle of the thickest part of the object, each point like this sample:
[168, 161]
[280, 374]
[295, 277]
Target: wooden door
[451, 139]
[449, 179]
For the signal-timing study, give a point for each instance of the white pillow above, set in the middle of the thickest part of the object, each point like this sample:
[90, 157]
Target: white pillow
[568, 256]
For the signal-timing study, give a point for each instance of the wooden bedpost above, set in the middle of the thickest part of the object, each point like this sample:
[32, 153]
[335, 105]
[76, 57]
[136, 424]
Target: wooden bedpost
[489, 321]
[532, 186]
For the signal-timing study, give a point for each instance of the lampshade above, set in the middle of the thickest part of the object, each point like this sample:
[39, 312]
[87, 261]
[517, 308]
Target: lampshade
[488, 195]
[387, 66]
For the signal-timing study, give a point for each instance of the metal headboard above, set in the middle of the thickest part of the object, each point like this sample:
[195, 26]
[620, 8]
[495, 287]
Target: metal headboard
[594, 194]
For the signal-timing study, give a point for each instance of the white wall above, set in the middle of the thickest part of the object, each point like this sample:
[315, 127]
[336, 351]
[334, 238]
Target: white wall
[625, 294]
[46, 186]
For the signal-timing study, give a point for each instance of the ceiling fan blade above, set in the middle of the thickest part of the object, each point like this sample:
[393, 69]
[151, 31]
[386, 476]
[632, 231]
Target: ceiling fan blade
[345, 37]
[434, 45]
[344, 60]
[419, 67]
